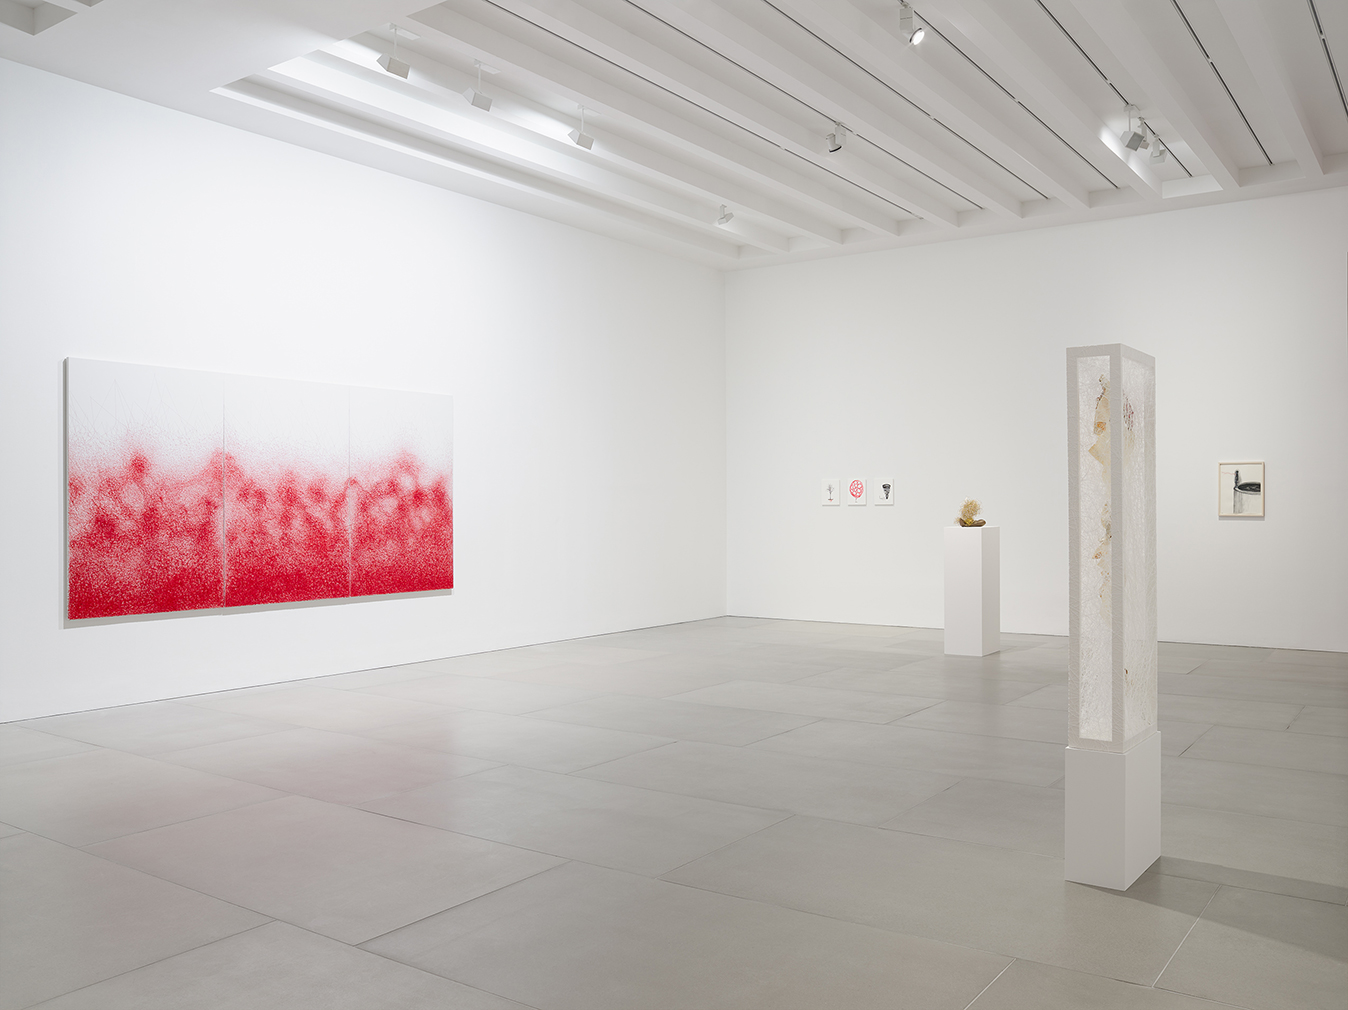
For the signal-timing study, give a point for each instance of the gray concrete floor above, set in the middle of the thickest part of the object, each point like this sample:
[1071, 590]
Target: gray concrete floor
[732, 813]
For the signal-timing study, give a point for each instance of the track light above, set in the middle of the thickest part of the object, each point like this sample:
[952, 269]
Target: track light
[579, 137]
[1158, 150]
[725, 218]
[474, 95]
[392, 64]
[836, 140]
[1135, 139]
[912, 32]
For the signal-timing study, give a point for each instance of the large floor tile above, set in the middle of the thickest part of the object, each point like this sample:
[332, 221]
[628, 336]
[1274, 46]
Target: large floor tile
[69, 919]
[278, 967]
[1028, 818]
[588, 650]
[1251, 881]
[618, 826]
[1050, 696]
[1027, 985]
[1323, 721]
[1266, 952]
[1269, 670]
[1204, 653]
[1178, 737]
[520, 740]
[1256, 789]
[824, 657]
[651, 679]
[991, 690]
[482, 694]
[677, 720]
[1015, 723]
[1283, 692]
[961, 755]
[337, 767]
[982, 896]
[155, 727]
[1299, 849]
[491, 664]
[341, 711]
[101, 794]
[345, 873]
[814, 702]
[584, 938]
[996, 666]
[1337, 660]
[841, 790]
[1306, 751]
[1227, 711]
[19, 744]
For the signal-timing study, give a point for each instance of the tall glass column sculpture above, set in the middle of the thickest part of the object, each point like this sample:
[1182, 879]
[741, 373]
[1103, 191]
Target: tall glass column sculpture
[1113, 780]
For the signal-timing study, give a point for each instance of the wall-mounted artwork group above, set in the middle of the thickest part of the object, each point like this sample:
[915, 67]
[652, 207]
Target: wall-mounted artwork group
[189, 490]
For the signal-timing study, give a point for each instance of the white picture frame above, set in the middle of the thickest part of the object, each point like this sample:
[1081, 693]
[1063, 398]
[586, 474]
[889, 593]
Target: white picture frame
[883, 490]
[854, 492]
[1241, 490]
[830, 491]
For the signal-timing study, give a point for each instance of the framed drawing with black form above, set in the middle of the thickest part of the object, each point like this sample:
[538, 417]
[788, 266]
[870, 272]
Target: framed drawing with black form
[1240, 489]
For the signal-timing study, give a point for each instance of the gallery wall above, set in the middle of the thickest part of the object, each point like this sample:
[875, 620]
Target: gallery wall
[587, 376]
[944, 367]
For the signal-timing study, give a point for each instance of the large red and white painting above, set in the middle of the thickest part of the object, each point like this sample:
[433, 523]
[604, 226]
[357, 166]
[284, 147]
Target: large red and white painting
[188, 490]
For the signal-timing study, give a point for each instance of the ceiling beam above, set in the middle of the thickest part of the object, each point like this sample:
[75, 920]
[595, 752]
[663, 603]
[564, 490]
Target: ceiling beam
[1249, 24]
[877, 44]
[613, 147]
[1005, 47]
[772, 48]
[704, 78]
[504, 135]
[1113, 21]
[558, 66]
[265, 93]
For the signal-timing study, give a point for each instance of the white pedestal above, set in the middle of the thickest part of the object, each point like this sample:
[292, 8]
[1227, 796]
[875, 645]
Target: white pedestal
[973, 590]
[1113, 814]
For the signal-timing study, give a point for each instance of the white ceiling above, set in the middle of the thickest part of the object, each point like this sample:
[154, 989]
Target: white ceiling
[1006, 116]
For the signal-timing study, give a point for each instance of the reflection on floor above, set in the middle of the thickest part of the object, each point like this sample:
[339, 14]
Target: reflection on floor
[732, 813]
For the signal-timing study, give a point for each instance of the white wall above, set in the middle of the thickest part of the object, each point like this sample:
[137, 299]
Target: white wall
[588, 379]
[944, 367]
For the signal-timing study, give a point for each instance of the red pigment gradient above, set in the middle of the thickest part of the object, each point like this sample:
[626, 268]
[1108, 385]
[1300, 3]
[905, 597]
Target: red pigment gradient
[146, 540]
[402, 530]
[286, 538]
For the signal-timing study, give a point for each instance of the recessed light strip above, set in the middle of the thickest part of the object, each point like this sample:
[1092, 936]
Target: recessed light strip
[1329, 57]
[1220, 79]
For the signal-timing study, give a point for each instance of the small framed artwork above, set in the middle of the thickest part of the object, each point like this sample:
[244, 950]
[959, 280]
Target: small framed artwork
[1240, 489]
[830, 491]
[856, 491]
[882, 489]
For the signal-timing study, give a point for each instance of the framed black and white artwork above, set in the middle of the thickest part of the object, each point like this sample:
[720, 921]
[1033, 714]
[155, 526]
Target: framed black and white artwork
[882, 490]
[830, 491]
[1240, 489]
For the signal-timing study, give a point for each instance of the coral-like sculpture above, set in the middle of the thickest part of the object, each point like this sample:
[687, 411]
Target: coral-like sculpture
[968, 510]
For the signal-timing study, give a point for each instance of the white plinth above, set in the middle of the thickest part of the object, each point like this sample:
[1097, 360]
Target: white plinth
[1113, 814]
[973, 590]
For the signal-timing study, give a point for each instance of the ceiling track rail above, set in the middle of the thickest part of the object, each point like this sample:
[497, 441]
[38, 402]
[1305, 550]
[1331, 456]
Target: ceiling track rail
[1030, 112]
[1105, 77]
[1329, 56]
[828, 120]
[1220, 79]
[713, 112]
[900, 95]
